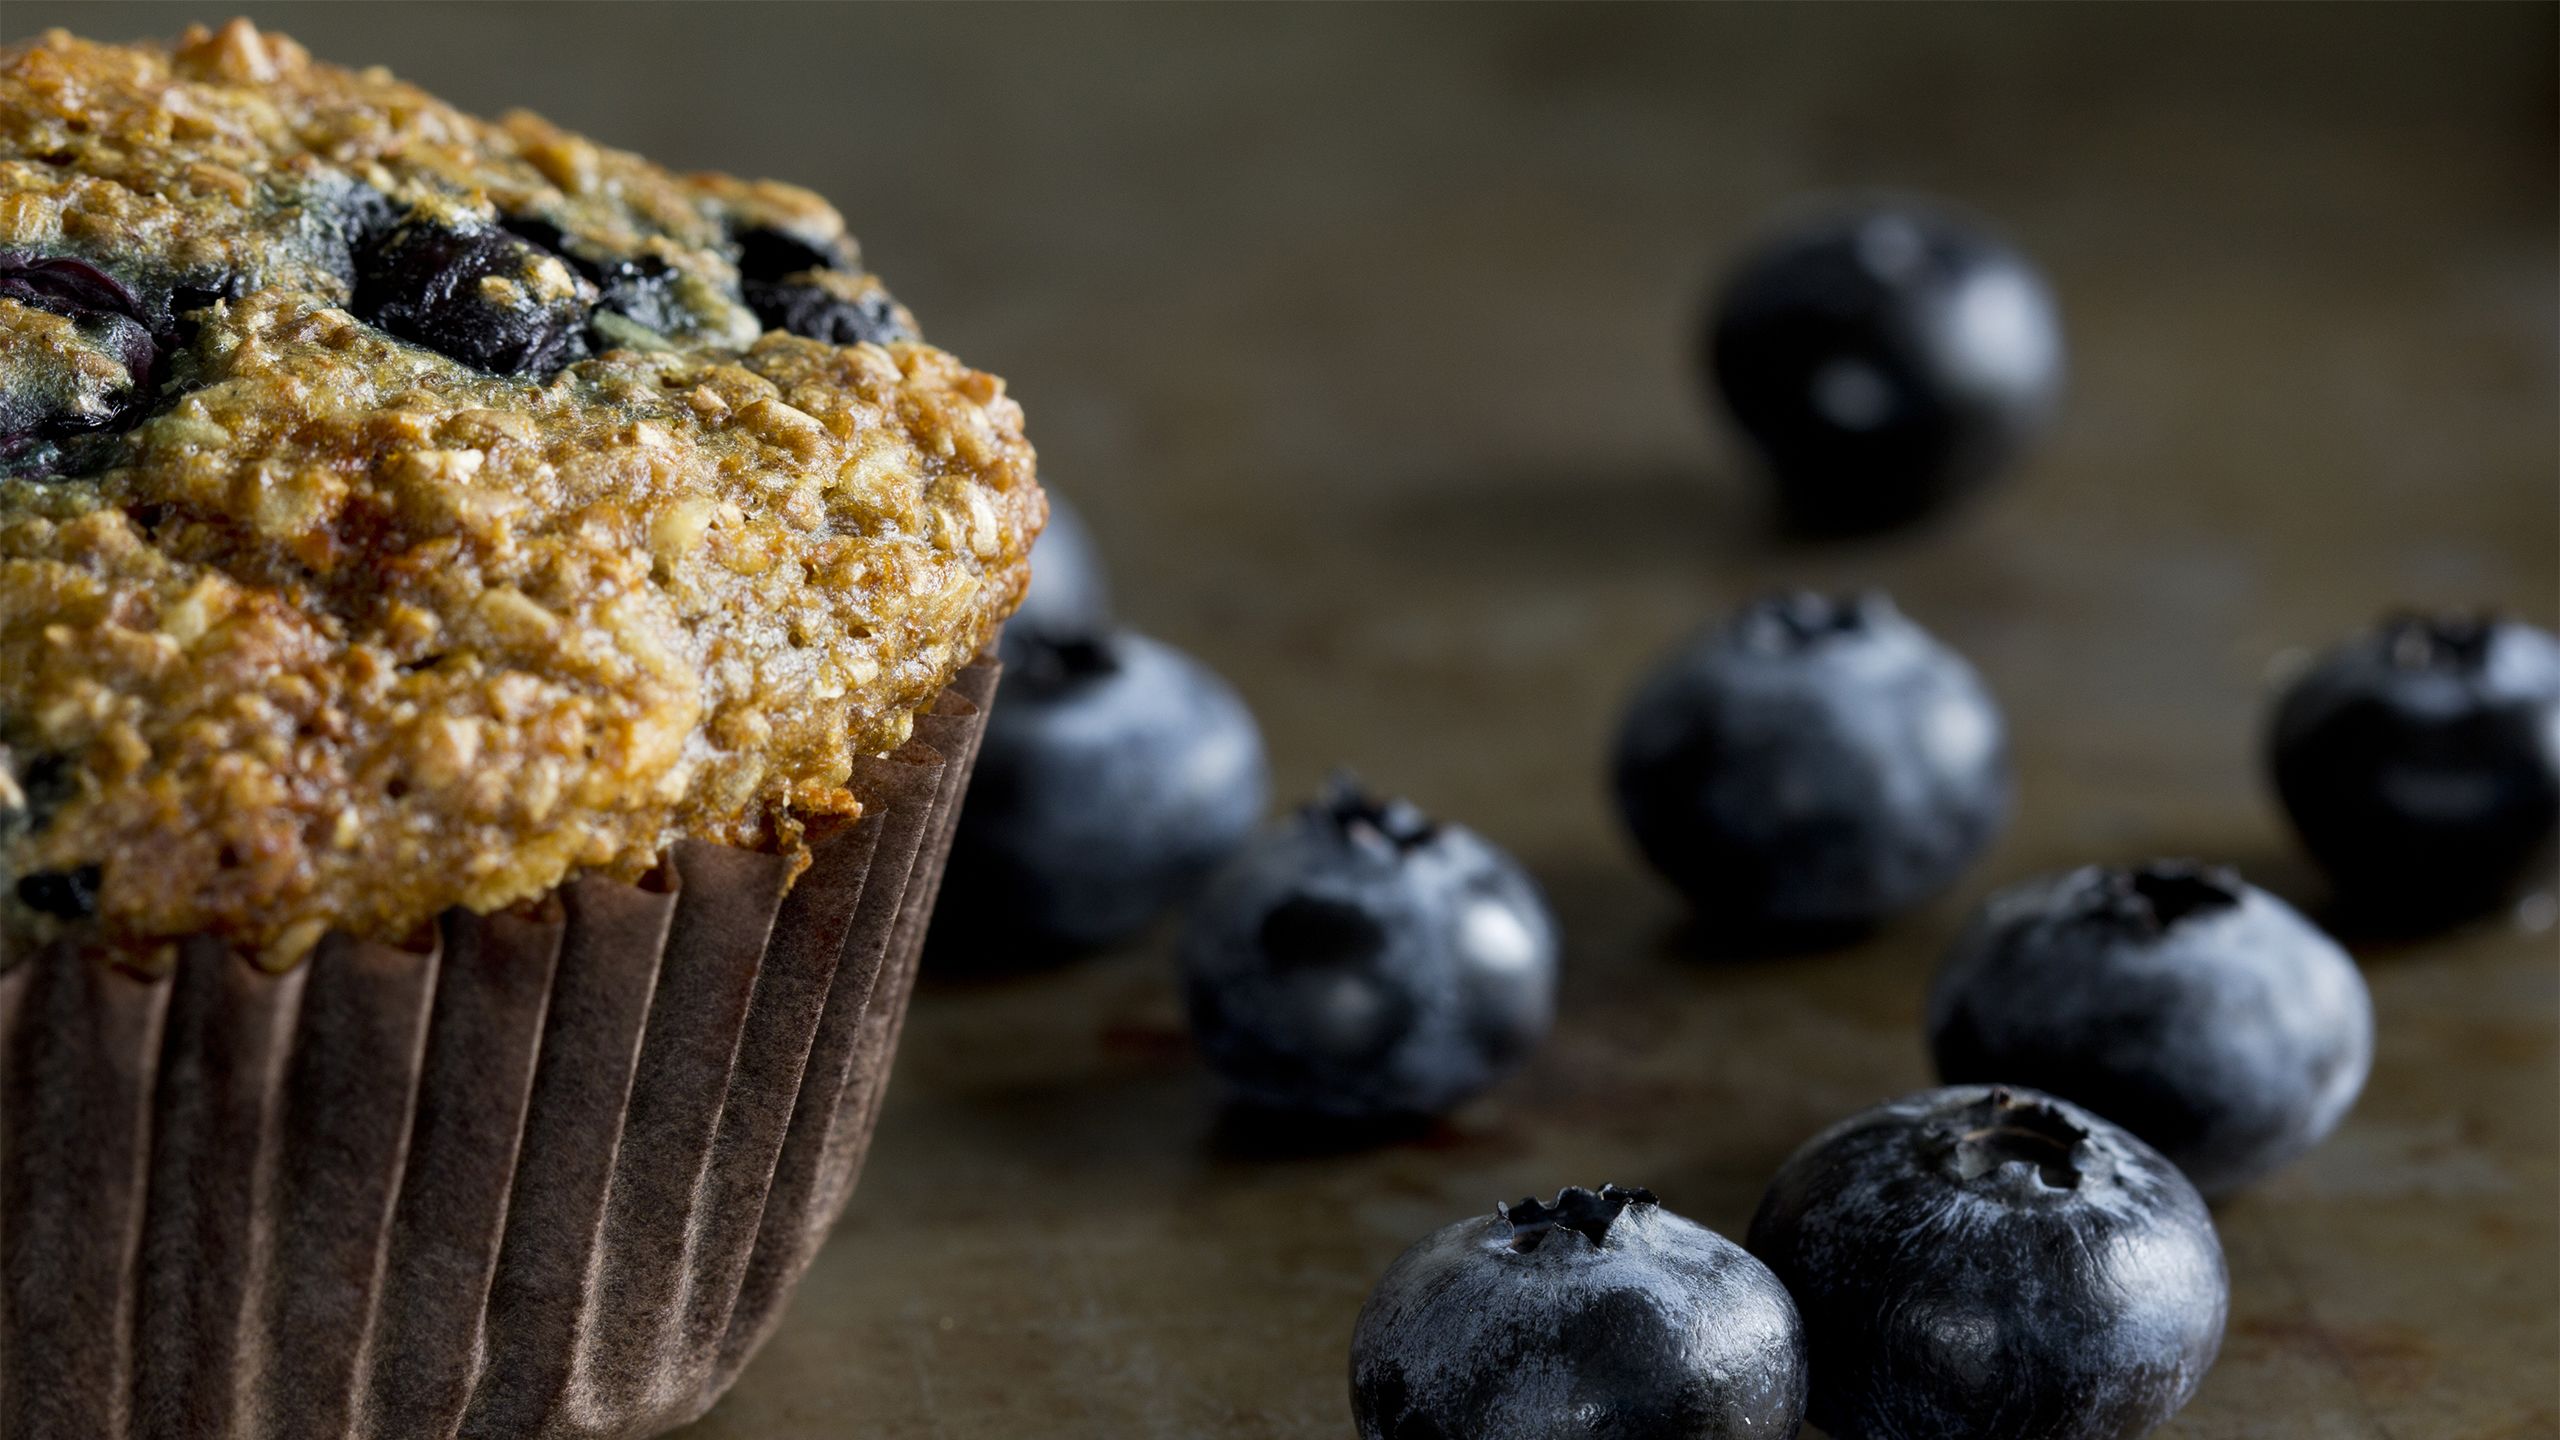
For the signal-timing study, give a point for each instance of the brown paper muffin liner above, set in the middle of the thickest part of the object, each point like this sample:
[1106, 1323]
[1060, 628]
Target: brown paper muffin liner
[555, 1177]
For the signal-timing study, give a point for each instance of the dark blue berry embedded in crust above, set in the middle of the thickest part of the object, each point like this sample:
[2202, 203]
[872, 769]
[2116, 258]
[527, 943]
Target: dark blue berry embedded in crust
[427, 283]
[818, 313]
[534, 230]
[765, 253]
[637, 288]
[47, 783]
[139, 328]
[66, 286]
[109, 315]
[778, 279]
[63, 894]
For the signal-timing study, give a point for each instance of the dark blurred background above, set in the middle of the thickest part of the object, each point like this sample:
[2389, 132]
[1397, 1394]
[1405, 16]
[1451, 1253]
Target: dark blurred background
[1363, 337]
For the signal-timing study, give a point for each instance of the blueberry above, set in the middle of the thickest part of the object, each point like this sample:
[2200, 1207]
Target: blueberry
[356, 217]
[1116, 773]
[1813, 764]
[2193, 1009]
[639, 288]
[189, 299]
[475, 293]
[67, 286]
[39, 406]
[817, 312]
[37, 788]
[2421, 764]
[534, 230]
[149, 324]
[1068, 589]
[1884, 357]
[778, 277]
[64, 894]
[44, 403]
[1600, 1317]
[768, 253]
[1994, 1264]
[642, 289]
[1361, 961]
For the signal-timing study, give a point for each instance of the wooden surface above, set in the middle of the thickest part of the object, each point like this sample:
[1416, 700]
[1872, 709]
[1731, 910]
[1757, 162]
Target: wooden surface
[1361, 337]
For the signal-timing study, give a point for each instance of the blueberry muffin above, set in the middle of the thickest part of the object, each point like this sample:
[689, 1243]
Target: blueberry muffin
[401, 510]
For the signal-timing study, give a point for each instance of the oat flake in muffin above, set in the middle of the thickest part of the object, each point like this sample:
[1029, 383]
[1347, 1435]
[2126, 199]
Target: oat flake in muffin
[400, 510]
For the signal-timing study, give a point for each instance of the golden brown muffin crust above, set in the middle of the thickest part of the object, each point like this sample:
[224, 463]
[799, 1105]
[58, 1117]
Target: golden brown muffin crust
[316, 626]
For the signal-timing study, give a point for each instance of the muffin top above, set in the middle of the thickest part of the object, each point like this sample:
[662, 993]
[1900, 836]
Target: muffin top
[400, 510]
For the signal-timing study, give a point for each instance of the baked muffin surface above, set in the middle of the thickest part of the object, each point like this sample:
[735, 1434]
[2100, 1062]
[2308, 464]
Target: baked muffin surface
[400, 510]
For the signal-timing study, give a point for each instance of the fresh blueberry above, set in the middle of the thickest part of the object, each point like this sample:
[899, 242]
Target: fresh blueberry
[1116, 773]
[1361, 961]
[475, 293]
[1884, 357]
[1600, 1317]
[1812, 765]
[2195, 1010]
[1068, 588]
[2421, 764]
[1994, 1264]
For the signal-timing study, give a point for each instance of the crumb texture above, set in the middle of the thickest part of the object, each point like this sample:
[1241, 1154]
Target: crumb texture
[400, 510]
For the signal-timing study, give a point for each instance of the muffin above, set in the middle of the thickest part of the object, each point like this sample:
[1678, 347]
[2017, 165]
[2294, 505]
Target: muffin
[490, 641]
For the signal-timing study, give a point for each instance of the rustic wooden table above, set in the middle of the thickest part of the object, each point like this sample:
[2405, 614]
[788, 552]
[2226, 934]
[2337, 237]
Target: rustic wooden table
[1362, 335]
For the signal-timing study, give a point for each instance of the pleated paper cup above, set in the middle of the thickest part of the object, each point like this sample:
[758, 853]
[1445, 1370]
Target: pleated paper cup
[556, 1176]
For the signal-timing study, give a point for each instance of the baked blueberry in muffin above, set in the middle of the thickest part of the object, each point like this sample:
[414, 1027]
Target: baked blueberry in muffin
[400, 510]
